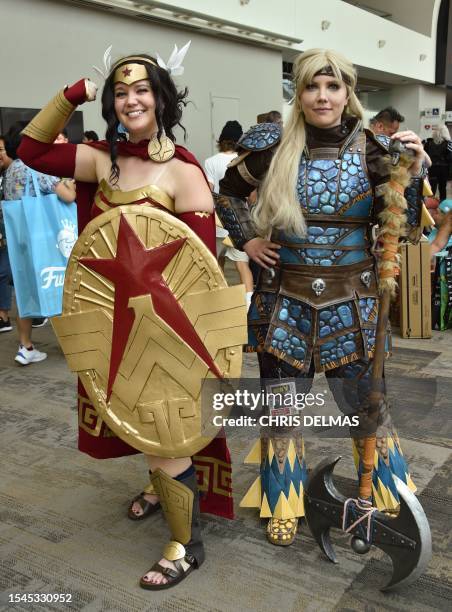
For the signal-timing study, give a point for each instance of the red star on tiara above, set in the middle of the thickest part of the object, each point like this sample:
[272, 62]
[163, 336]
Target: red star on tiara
[127, 71]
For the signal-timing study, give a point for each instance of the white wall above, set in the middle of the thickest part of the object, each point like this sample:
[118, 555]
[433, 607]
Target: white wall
[431, 97]
[46, 44]
[416, 15]
[353, 31]
[372, 103]
[356, 33]
[59, 41]
[410, 101]
[406, 99]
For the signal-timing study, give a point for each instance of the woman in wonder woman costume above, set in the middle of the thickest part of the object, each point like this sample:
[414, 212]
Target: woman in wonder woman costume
[139, 98]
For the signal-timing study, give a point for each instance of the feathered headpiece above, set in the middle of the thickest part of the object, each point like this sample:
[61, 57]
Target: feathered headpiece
[173, 66]
[174, 63]
[107, 64]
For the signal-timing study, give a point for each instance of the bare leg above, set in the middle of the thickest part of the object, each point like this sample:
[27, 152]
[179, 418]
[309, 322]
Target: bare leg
[24, 329]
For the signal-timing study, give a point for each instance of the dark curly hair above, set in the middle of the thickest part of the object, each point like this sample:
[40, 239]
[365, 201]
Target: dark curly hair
[169, 104]
[13, 137]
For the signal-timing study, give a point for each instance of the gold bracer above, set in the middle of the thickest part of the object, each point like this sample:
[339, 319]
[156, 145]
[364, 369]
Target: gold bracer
[50, 121]
[177, 504]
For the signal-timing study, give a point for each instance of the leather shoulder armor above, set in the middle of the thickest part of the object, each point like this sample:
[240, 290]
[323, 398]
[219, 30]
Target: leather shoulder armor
[260, 137]
[381, 140]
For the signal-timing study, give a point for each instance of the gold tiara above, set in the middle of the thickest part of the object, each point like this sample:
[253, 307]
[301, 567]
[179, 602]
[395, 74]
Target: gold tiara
[128, 72]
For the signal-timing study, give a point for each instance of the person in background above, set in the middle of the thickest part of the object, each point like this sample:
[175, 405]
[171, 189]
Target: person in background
[440, 236]
[439, 149]
[69, 186]
[386, 121]
[68, 183]
[273, 116]
[16, 177]
[62, 137]
[440, 239]
[215, 168]
[5, 268]
[90, 136]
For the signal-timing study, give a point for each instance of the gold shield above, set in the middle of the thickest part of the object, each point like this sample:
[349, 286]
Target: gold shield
[147, 319]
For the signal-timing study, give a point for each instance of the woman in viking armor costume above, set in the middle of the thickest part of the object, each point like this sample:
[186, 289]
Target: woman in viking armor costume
[139, 98]
[323, 184]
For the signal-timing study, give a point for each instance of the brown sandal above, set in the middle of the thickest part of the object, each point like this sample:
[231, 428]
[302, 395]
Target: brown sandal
[147, 507]
[183, 561]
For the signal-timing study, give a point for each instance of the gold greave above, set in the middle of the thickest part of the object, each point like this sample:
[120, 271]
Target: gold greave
[50, 121]
[149, 489]
[176, 500]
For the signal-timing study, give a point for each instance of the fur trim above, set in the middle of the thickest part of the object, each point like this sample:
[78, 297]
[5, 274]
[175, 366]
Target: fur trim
[388, 284]
[392, 221]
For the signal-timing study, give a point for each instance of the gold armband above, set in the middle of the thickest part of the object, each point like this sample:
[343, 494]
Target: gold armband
[50, 121]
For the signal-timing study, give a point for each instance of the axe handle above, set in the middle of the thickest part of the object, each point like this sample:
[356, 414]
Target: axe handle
[375, 396]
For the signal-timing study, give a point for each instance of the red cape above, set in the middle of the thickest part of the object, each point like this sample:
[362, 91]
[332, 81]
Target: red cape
[213, 463]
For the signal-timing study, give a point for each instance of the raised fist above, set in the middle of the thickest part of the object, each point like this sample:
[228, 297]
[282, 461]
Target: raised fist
[91, 90]
[80, 92]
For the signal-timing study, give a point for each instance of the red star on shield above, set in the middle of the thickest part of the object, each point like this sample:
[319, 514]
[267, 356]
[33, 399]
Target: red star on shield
[137, 271]
[127, 71]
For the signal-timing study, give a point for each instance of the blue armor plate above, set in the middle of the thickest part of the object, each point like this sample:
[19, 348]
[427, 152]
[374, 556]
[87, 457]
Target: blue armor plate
[260, 137]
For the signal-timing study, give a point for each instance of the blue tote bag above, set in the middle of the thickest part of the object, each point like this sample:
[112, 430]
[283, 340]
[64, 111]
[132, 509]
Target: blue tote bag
[40, 232]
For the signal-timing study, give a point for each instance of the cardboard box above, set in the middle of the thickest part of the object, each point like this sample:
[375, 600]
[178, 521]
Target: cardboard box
[415, 290]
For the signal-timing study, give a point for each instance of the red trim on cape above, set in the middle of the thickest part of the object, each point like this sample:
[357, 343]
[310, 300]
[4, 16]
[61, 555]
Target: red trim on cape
[86, 191]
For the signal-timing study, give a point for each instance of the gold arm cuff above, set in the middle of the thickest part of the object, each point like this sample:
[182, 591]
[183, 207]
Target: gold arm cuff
[177, 504]
[50, 121]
